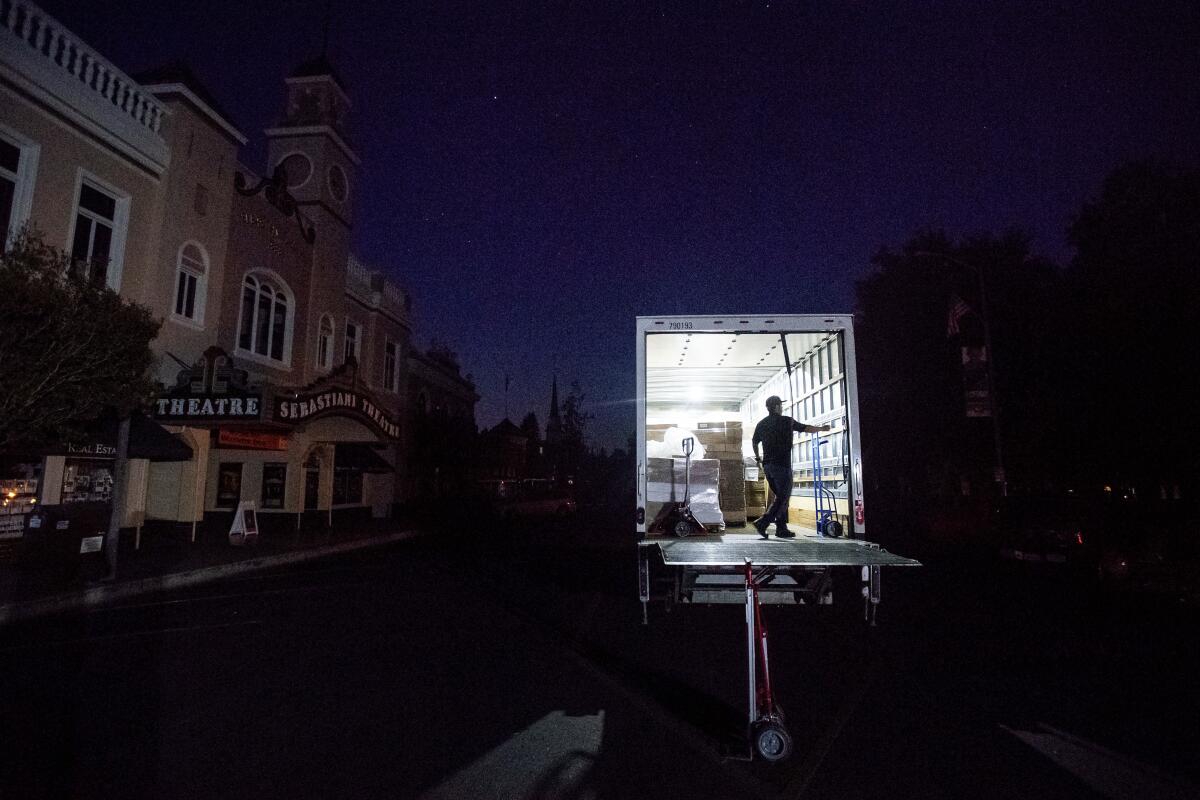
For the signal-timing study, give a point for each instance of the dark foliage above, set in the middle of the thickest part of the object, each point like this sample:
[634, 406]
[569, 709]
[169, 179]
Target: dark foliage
[69, 349]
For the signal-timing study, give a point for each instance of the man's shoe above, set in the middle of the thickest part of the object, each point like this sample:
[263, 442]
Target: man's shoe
[760, 525]
[785, 533]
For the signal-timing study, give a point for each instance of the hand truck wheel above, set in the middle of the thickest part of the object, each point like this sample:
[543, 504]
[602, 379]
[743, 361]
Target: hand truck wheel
[772, 742]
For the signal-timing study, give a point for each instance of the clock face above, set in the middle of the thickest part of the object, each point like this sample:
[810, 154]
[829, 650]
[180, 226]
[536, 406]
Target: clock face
[338, 185]
[298, 168]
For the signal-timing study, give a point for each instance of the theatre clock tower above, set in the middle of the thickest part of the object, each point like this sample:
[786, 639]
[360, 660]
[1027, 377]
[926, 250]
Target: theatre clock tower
[312, 144]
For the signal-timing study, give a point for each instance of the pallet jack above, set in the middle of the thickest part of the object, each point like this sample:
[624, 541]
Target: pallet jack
[677, 518]
[766, 731]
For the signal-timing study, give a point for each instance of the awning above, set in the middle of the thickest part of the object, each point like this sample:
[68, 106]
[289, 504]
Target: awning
[147, 439]
[360, 456]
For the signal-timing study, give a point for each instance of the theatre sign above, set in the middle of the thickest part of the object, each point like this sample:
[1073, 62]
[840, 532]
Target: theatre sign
[345, 402]
[211, 390]
[207, 408]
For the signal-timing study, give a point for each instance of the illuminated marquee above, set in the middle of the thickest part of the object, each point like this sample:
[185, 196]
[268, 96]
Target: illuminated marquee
[336, 401]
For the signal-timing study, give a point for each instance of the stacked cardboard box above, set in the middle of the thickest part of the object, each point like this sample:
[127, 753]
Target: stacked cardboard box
[665, 483]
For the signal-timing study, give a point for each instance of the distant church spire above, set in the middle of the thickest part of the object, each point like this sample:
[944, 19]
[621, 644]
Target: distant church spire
[554, 425]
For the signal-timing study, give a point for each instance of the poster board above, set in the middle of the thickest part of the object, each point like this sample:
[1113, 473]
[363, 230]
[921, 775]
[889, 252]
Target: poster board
[244, 529]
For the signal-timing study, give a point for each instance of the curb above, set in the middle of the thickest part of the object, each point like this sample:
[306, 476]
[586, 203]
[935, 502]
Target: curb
[101, 595]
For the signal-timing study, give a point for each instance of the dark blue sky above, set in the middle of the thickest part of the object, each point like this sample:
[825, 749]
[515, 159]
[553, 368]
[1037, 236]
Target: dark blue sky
[539, 174]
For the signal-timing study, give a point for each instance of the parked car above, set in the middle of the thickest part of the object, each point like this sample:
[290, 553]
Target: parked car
[533, 497]
[1057, 532]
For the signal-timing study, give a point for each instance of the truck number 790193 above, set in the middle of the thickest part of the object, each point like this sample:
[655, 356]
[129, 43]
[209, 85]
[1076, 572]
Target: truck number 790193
[679, 326]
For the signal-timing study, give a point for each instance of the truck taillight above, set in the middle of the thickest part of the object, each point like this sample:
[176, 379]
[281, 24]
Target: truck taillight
[859, 515]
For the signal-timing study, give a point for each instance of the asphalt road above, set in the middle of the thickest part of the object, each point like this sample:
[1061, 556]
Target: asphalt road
[514, 665]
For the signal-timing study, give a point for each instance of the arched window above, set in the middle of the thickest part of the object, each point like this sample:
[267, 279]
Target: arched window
[325, 342]
[191, 270]
[265, 327]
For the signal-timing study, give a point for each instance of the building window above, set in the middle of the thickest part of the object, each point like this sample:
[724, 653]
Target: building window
[389, 367]
[191, 268]
[265, 328]
[96, 241]
[325, 342]
[18, 163]
[352, 341]
[10, 165]
[273, 485]
[229, 485]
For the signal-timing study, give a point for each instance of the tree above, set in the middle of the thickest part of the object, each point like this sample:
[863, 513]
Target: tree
[1135, 287]
[69, 349]
[920, 441]
[574, 431]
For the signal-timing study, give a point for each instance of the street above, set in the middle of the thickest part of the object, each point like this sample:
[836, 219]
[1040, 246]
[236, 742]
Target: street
[516, 666]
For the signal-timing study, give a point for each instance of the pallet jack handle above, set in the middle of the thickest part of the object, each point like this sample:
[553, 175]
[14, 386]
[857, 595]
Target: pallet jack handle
[689, 447]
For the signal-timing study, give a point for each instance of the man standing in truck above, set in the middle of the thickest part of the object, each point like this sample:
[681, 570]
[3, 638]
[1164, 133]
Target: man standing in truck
[774, 433]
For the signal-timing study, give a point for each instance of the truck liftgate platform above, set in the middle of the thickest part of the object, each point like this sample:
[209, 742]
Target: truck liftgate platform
[709, 569]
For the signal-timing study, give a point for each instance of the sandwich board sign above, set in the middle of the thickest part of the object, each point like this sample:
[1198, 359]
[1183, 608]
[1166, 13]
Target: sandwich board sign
[244, 529]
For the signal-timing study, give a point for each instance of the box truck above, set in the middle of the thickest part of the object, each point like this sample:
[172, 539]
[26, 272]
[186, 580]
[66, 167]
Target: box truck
[702, 385]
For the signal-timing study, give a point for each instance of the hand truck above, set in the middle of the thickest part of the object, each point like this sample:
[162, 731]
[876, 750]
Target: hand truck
[767, 733]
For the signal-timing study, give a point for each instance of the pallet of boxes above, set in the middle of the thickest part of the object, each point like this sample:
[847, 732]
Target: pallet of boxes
[723, 442]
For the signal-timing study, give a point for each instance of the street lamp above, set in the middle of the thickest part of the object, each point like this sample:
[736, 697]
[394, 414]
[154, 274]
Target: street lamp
[1000, 476]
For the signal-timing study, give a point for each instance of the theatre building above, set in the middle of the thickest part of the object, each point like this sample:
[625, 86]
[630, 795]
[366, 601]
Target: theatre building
[295, 403]
[285, 361]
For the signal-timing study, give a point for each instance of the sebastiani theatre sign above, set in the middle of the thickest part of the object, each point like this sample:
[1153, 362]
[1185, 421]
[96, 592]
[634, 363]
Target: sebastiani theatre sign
[346, 402]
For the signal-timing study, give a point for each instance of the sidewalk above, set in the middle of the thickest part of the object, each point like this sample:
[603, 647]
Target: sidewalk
[172, 561]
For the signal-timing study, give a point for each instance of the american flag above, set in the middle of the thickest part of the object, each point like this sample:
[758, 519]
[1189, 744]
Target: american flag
[958, 310]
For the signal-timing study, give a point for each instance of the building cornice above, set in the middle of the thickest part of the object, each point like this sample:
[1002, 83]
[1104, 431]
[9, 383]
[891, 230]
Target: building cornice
[180, 89]
[374, 309]
[316, 130]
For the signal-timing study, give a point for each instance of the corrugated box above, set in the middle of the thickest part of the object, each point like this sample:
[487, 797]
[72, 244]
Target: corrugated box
[733, 491]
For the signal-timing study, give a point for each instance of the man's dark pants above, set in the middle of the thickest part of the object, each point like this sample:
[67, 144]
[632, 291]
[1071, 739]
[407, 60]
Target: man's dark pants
[779, 478]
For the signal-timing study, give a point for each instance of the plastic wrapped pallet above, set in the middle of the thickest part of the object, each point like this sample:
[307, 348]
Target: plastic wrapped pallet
[665, 479]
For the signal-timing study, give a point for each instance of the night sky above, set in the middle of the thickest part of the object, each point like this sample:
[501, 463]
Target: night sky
[536, 175]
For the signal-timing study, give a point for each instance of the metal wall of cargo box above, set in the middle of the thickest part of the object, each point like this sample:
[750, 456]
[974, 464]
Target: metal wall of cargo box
[839, 324]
